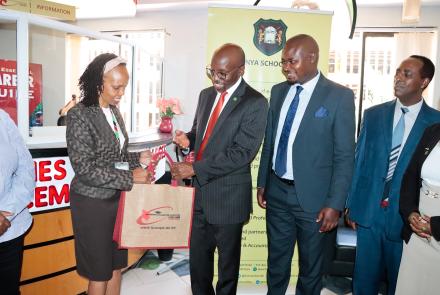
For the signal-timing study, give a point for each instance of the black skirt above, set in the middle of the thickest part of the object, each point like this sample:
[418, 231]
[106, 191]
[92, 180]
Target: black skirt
[93, 220]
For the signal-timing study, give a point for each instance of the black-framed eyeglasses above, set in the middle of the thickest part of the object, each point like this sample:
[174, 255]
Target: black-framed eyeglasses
[222, 75]
[289, 62]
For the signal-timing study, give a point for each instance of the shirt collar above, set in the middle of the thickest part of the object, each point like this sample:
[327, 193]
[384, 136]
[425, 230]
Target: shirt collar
[309, 86]
[232, 89]
[415, 108]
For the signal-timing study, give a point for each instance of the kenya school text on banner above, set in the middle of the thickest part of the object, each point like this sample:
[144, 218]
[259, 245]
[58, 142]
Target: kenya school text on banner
[262, 34]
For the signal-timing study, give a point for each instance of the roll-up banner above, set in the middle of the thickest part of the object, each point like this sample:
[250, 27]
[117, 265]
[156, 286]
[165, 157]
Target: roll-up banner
[262, 33]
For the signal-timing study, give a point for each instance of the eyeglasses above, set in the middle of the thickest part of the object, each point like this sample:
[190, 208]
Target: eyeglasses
[289, 62]
[222, 75]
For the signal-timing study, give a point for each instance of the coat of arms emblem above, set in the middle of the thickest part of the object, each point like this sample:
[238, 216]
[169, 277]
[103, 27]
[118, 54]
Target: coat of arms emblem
[269, 35]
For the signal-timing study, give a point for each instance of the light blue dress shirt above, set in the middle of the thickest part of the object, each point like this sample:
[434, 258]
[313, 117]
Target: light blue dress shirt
[17, 178]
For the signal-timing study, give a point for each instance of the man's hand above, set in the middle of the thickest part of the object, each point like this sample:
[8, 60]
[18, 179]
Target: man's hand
[4, 222]
[420, 225]
[260, 197]
[349, 222]
[181, 140]
[329, 218]
[141, 176]
[145, 157]
[182, 170]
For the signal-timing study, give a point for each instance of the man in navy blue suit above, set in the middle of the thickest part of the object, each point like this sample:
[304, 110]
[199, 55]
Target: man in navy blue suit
[306, 165]
[388, 138]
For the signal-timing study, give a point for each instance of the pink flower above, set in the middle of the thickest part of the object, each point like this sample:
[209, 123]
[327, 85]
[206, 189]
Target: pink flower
[168, 107]
[176, 108]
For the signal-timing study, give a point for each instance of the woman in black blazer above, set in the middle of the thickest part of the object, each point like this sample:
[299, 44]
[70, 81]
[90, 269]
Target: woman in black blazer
[420, 210]
[97, 147]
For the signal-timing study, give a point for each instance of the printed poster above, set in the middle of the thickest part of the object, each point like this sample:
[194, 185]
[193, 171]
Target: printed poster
[8, 91]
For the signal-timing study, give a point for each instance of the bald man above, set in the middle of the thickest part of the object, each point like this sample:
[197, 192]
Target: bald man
[305, 167]
[227, 132]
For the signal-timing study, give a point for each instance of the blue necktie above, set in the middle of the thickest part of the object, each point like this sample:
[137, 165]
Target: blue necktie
[281, 158]
[396, 145]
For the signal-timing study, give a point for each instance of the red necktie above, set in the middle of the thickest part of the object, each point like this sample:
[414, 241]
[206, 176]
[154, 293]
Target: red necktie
[211, 124]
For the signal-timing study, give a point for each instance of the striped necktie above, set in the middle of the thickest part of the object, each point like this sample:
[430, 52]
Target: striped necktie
[396, 145]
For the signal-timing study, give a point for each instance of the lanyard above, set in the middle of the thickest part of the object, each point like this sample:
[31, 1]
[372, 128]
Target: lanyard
[115, 127]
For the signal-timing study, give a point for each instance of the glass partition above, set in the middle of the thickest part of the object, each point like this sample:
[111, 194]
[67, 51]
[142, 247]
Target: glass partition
[59, 58]
[54, 54]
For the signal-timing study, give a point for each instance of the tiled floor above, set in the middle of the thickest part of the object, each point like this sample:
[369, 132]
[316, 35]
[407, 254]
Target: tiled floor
[153, 277]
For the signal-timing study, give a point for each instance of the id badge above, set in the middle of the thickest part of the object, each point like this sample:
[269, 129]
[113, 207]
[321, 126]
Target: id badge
[122, 165]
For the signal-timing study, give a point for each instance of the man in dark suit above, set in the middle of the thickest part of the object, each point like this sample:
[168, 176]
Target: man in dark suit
[306, 165]
[373, 202]
[227, 132]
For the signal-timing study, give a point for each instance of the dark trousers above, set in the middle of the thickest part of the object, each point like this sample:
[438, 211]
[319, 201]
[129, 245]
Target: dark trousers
[11, 256]
[288, 224]
[205, 237]
[376, 257]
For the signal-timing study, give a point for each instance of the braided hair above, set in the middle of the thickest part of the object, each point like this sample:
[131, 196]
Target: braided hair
[91, 81]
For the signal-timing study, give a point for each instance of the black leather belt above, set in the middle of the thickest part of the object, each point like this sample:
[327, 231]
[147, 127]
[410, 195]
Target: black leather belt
[286, 181]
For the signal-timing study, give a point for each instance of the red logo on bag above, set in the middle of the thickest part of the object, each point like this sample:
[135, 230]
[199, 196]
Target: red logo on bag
[156, 215]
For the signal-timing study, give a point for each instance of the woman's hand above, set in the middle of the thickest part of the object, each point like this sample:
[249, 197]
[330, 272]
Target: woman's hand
[141, 175]
[181, 140]
[145, 157]
[421, 226]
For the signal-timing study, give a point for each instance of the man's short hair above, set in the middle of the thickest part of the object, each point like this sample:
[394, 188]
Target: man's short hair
[428, 68]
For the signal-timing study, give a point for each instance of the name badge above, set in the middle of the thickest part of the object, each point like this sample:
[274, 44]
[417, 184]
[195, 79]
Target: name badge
[122, 165]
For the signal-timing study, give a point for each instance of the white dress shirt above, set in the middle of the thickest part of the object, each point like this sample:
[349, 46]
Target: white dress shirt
[410, 118]
[304, 99]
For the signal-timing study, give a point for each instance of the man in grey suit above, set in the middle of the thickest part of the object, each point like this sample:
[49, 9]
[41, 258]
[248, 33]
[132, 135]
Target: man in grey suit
[305, 167]
[226, 134]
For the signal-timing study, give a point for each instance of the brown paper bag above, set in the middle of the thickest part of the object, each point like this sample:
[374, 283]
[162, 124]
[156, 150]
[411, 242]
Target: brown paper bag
[155, 216]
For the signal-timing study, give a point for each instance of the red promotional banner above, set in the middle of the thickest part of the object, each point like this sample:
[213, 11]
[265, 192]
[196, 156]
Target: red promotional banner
[8, 91]
[52, 183]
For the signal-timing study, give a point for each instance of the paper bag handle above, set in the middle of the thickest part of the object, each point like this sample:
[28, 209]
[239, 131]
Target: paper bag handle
[162, 153]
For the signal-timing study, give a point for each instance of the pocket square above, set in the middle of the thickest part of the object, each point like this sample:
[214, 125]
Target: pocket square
[321, 112]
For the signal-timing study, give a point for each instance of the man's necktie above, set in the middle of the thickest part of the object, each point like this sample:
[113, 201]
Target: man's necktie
[396, 144]
[281, 158]
[214, 116]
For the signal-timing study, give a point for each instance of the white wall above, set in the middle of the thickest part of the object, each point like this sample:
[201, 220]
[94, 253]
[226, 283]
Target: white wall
[185, 47]
[185, 51]
[389, 17]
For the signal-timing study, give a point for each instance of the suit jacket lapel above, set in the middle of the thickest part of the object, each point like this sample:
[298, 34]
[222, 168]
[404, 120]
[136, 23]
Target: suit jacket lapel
[209, 100]
[233, 101]
[97, 116]
[121, 124]
[316, 100]
[414, 136]
[430, 143]
[387, 125]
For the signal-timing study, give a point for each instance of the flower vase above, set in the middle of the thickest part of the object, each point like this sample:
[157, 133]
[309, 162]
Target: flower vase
[166, 125]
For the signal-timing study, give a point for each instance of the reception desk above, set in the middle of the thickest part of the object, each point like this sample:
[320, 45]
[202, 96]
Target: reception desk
[49, 265]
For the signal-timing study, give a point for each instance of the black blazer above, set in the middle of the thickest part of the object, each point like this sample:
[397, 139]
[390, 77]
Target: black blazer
[223, 183]
[411, 183]
[93, 151]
